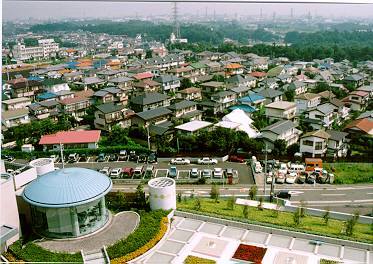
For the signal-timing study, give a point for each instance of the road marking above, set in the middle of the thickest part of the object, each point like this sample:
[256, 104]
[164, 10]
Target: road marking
[332, 194]
[344, 201]
[370, 193]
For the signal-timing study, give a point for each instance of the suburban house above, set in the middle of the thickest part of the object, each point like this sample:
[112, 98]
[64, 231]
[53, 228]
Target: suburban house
[366, 114]
[158, 116]
[307, 101]
[233, 69]
[169, 83]
[212, 87]
[343, 111]
[109, 114]
[71, 139]
[198, 68]
[13, 118]
[368, 89]
[323, 115]
[191, 93]
[55, 85]
[314, 143]
[355, 80]
[253, 100]
[193, 127]
[45, 109]
[270, 95]
[91, 83]
[270, 83]
[149, 101]
[146, 86]
[22, 87]
[284, 129]
[15, 103]
[224, 98]
[209, 105]
[185, 110]
[239, 80]
[77, 105]
[360, 127]
[281, 110]
[122, 82]
[240, 91]
[326, 96]
[298, 87]
[108, 74]
[337, 143]
[357, 100]
[111, 94]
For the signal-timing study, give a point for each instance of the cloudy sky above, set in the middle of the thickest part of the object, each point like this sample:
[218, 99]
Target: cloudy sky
[46, 10]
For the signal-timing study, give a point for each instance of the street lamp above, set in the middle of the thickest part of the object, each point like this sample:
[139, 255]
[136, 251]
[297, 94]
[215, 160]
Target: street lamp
[266, 151]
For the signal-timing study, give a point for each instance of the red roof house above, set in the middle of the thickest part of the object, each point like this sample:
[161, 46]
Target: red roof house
[143, 75]
[71, 139]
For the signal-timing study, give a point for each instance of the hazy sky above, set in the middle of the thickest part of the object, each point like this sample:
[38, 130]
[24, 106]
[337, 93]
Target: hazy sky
[46, 10]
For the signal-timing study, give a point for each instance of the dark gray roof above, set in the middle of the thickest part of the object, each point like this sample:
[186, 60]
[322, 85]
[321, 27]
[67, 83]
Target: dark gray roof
[49, 103]
[223, 93]
[166, 78]
[354, 77]
[181, 105]
[236, 79]
[336, 135]
[150, 114]
[158, 130]
[149, 98]
[270, 93]
[280, 127]
[208, 103]
[120, 79]
[325, 108]
[109, 107]
[367, 114]
[240, 89]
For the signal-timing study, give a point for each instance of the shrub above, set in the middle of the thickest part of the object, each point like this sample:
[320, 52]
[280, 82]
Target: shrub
[326, 216]
[197, 204]
[197, 260]
[252, 192]
[245, 211]
[297, 217]
[230, 203]
[148, 231]
[215, 192]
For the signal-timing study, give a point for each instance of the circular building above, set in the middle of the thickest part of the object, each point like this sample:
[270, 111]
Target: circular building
[162, 193]
[68, 202]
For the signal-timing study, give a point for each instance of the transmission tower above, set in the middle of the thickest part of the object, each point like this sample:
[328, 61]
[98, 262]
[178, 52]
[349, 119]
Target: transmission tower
[176, 22]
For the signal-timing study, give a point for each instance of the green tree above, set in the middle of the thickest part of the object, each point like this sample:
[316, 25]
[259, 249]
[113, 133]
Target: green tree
[260, 205]
[215, 192]
[326, 216]
[179, 197]
[230, 203]
[292, 149]
[140, 196]
[289, 94]
[245, 211]
[279, 147]
[197, 204]
[253, 192]
[297, 217]
[185, 83]
[302, 208]
[149, 54]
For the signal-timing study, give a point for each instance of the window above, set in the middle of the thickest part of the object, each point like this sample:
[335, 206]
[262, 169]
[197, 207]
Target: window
[308, 143]
[319, 116]
[319, 146]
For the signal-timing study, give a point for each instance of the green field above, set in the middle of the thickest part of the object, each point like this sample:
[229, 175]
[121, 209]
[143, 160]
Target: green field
[351, 173]
[310, 224]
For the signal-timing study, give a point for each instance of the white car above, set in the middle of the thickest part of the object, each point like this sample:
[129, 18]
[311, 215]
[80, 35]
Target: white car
[207, 161]
[105, 170]
[180, 161]
[194, 173]
[291, 177]
[280, 178]
[218, 173]
[206, 173]
[258, 167]
[283, 168]
[116, 173]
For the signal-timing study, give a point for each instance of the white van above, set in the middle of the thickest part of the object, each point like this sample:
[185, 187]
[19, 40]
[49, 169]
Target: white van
[258, 167]
[297, 168]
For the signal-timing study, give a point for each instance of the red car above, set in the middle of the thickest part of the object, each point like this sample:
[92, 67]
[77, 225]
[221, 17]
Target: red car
[235, 158]
[127, 172]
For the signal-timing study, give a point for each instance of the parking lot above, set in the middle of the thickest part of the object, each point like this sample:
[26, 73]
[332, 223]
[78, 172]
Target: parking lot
[162, 166]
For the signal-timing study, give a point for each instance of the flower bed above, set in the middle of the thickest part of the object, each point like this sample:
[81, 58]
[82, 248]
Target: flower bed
[133, 240]
[197, 260]
[329, 261]
[250, 253]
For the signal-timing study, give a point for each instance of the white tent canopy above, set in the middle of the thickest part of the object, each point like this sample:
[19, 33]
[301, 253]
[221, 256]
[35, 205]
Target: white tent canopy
[239, 120]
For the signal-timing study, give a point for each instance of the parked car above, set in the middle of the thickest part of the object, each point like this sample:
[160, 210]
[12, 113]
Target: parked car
[180, 161]
[283, 194]
[269, 177]
[172, 172]
[142, 158]
[152, 158]
[105, 170]
[73, 157]
[83, 158]
[218, 173]
[116, 173]
[207, 161]
[283, 168]
[122, 155]
[280, 178]
[297, 168]
[229, 172]
[127, 172]
[234, 158]
[7, 158]
[55, 158]
[133, 156]
[101, 157]
[302, 177]
[258, 167]
[323, 177]
[150, 171]
[113, 157]
[311, 178]
[194, 173]
[138, 172]
[206, 173]
[291, 177]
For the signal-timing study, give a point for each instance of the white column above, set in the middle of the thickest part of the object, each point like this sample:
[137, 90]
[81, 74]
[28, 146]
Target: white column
[74, 222]
[103, 209]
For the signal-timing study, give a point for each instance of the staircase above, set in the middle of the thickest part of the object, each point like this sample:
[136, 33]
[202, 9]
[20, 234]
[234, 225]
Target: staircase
[96, 257]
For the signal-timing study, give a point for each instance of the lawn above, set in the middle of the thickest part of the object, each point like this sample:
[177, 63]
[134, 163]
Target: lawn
[310, 224]
[350, 173]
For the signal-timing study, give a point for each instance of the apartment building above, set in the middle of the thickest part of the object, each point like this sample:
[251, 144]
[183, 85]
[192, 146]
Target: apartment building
[46, 48]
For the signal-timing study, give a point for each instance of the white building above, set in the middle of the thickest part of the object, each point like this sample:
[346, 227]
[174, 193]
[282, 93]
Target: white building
[46, 48]
[162, 193]
[314, 143]
[307, 101]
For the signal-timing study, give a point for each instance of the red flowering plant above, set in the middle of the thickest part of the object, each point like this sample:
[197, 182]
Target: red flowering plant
[250, 253]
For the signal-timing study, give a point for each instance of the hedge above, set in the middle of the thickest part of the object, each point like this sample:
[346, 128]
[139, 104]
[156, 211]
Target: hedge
[67, 151]
[31, 252]
[197, 260]
[150, 225]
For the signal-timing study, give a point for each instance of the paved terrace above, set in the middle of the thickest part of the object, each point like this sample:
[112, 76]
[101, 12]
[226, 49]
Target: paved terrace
[193, 237]
[121, 226]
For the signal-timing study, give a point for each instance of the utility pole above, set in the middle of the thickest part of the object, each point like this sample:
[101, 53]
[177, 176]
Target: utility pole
[61, 149]
[272, 185]
[265, 168]
[147, 130]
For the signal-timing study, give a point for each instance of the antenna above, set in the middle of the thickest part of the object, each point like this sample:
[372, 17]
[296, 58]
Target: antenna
[176, 22]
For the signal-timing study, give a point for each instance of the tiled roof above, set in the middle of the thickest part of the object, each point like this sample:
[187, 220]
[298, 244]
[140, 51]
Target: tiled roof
[109, 107]
[280, 127]
[150, 114]
[362, 124]
[149, 98]
[181, 105]
[71, 137]
[317, 133]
